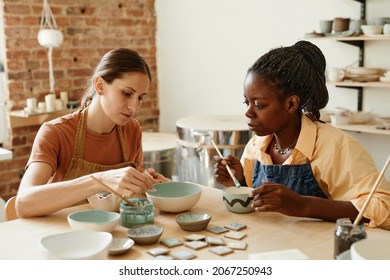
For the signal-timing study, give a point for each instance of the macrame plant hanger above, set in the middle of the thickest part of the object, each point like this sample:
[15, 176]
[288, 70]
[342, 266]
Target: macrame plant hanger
[50, 37]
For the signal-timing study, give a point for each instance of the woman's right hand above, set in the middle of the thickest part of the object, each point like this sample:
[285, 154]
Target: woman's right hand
[222, 175]
[127, 181]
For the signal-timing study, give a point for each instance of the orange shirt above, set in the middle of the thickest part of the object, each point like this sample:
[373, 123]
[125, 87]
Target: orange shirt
[343, 168]
[54, 145]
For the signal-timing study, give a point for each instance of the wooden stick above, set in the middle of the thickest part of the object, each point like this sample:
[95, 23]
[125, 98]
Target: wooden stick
[122, 196]
[359, 217]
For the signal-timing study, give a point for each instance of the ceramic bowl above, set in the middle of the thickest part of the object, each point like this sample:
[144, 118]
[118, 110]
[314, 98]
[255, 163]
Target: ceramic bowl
[385, 121]
[175, 197]
[145, 234]
[371, 249]
[237, 200]
[193, 221]
[372, 29]
[97, 220]
[76, 245]
[359, 117]
[105, 201]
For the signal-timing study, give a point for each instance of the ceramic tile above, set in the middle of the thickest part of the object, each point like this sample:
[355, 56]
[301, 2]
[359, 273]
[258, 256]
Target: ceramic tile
[196, 244]
[212, 240]
[217, 229]
[221, 250]
[235, 226]
[183, 255]
[235, 235]
[171, 242]
[158, 251]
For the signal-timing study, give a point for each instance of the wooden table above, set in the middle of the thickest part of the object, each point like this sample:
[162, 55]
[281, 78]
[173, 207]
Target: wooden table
[19, 239]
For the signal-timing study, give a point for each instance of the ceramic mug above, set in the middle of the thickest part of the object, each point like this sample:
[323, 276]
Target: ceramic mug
[341, 24]
[335, 75]
[326, 26]
[386, 29]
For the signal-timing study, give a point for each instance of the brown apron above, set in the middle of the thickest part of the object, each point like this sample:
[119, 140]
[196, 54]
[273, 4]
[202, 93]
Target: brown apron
[78, 166]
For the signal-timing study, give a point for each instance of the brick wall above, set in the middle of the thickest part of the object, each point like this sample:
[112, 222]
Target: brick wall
[90, 29]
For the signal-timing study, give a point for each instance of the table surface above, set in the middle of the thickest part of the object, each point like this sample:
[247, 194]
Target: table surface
[265, 232]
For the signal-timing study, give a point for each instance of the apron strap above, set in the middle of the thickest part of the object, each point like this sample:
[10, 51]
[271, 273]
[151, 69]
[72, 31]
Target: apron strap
[123, 143]
[78, 151]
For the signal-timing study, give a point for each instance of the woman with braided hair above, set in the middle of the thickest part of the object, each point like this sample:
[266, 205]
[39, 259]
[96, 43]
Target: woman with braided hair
[298, 165]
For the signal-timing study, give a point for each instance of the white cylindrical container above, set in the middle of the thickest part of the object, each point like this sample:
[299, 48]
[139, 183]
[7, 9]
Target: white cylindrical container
[50, 101]
[42, 106]
[31, 104]
[59, 105]
[64, 97]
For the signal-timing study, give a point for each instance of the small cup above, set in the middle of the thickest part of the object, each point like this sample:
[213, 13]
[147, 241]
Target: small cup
[326, 26]
[386, 29]
[142, 213]
[341, 24]
[237, 200]
[335, 75]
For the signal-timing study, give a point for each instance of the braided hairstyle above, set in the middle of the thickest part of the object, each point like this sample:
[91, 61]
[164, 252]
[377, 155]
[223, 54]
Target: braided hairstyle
[296, 70]
[113, 65]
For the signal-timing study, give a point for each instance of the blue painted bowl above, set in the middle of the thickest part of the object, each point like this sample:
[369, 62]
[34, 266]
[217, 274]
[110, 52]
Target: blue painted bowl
[175, 197]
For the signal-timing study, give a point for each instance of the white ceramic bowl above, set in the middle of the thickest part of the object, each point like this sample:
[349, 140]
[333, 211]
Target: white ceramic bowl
[105, 201]
[76, 245]
[372, 29]
[359, 117]
[385, 121]
[193, 221]
[371, 249]
[237, 200]
[96, 220]
[175, 197]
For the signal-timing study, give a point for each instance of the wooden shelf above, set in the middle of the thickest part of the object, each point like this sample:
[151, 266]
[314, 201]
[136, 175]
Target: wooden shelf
[379, 37]
[362, 84]
[21, 118]
[365, 128]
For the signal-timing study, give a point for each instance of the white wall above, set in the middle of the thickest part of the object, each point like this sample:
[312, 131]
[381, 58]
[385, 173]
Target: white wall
[205, 46]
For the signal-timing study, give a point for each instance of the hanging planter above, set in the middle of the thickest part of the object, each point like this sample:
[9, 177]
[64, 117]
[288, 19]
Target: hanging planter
[49, 37]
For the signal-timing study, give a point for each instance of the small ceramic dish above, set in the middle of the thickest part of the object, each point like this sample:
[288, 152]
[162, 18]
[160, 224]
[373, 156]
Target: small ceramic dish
[145, 234]
[193, 221]
[120, 245]
[105, 201]
[97, 220]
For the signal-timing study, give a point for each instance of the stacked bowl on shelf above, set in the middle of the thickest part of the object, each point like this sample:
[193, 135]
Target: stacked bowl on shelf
[385, 77]
[363, 74]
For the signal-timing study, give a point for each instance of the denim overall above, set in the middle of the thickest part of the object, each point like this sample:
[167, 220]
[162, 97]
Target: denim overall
[299, 178]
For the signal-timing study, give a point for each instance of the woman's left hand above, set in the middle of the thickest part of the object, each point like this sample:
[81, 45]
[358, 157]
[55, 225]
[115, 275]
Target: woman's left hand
[273, 197]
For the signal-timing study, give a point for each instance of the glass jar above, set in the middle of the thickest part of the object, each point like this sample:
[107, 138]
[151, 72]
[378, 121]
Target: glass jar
[346, 234]
[142, 213]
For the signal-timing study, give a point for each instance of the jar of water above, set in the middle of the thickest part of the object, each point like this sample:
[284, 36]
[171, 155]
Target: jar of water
[141, 213]
[346, 234]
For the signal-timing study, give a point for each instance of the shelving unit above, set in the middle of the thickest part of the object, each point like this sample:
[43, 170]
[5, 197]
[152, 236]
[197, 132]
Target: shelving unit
[359, 41]
[21, 119]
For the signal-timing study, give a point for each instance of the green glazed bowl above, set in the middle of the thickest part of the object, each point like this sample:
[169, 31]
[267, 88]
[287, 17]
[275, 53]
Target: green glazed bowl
[175, 197]
[97, 220]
